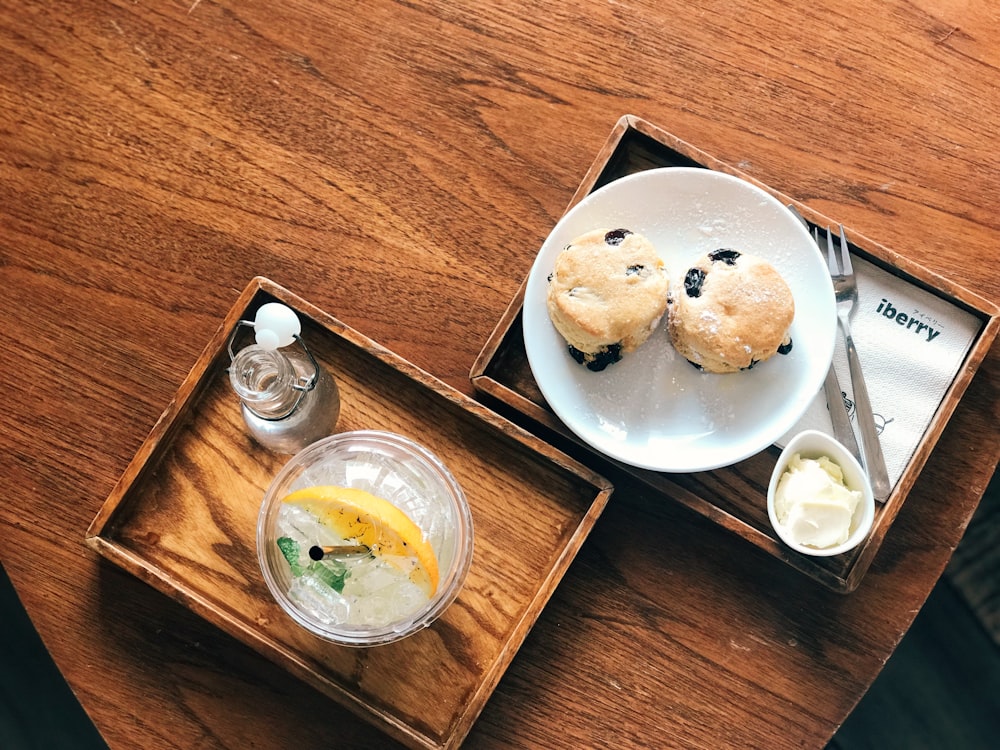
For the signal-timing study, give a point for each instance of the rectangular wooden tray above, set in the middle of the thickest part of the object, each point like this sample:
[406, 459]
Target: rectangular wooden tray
[183, 518]
[734, 496]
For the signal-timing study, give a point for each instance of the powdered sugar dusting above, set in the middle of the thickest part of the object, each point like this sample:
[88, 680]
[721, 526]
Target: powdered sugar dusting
[653, 408]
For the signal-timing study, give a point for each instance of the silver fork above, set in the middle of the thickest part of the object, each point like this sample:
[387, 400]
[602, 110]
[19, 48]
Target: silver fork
[846, 288]
[839, 417]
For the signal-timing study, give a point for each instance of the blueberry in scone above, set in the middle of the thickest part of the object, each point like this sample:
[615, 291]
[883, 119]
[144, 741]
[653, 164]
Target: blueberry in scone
[732, 311]
[607, 292]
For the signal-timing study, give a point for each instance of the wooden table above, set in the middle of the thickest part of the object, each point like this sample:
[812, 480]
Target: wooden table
[398, 165]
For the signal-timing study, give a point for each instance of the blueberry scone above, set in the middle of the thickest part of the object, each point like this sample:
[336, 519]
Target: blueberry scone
[606, 294]
[732, 311]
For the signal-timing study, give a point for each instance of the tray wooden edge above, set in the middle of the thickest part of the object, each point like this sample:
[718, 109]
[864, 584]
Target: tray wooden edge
[188, 392]
[173, 417]
[883, 256]
[548, 586]
[464, 402]
[269, 648]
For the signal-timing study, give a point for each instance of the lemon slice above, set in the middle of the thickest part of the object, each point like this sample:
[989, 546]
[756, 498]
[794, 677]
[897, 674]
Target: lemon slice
[361, 517]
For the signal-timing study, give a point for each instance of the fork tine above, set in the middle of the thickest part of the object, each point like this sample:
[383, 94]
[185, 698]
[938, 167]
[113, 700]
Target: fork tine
[830, 262]
[845, 253]
[831, 256]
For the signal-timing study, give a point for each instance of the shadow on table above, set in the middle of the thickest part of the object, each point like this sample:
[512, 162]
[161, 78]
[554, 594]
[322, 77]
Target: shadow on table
[37, 708]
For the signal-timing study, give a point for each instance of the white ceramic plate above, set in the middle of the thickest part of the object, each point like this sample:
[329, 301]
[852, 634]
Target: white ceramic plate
[653, 409]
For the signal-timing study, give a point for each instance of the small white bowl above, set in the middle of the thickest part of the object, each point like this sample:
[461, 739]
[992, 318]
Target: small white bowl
[813, 444]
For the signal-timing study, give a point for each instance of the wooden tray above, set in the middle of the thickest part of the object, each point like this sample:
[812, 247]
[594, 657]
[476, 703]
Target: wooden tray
[733, 497]
[183, 518]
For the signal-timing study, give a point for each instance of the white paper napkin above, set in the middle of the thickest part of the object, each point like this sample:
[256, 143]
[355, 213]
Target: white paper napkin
[911, 344]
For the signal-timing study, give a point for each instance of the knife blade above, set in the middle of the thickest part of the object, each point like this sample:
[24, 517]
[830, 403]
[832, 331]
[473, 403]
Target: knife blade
[841, 420]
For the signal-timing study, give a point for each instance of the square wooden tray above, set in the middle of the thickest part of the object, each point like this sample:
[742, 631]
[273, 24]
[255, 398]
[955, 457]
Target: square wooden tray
[183, 518]
[734, 496]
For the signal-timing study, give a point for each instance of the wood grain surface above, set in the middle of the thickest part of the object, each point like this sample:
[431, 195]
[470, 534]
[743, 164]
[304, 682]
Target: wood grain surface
[730, 495]
[398, 164]
[183, 518]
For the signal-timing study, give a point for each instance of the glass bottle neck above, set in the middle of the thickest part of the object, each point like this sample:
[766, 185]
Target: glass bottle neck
[264, 380]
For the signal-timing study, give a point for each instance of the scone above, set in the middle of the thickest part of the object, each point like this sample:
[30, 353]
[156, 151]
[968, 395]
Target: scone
[606, 294]
[733, 311]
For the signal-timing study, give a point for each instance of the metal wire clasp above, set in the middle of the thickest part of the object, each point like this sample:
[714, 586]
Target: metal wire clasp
[304, 384]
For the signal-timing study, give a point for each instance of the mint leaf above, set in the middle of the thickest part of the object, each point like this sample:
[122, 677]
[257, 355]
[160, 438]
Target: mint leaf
[290, 549]
[331, 573]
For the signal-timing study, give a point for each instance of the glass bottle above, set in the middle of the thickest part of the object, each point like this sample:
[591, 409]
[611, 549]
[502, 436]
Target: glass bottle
[287, 399]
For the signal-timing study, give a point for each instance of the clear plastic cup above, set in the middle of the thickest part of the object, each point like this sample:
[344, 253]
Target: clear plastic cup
[400, 471]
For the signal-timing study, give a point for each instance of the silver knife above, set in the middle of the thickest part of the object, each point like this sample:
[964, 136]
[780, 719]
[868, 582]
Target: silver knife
[842, 429]
[841, 420]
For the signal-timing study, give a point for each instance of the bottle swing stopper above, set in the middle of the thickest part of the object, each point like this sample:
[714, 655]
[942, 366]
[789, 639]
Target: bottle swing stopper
[275, 326]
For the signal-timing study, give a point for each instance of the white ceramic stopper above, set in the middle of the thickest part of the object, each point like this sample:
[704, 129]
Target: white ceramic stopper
[275, 325]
